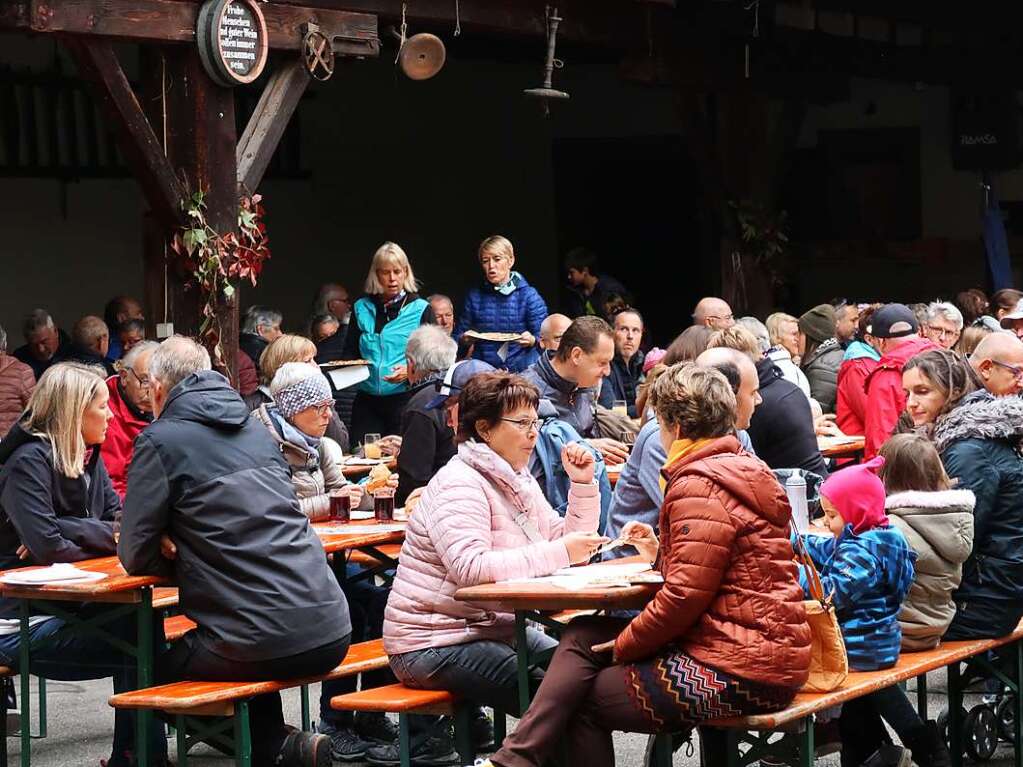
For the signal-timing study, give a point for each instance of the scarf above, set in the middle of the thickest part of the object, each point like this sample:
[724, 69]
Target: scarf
[680, 448]
[293, 435]
[507, 288]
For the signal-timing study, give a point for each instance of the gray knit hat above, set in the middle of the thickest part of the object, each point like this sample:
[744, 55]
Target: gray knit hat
[297, 386]
[818, 324]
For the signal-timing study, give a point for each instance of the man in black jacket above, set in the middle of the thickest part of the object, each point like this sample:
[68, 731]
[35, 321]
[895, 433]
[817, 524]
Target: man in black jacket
[210, 503]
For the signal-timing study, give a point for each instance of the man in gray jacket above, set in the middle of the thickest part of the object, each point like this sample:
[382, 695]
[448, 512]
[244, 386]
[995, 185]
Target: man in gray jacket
[210, 504]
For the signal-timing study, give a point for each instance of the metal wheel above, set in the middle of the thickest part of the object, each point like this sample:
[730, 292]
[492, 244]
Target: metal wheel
[980, 733]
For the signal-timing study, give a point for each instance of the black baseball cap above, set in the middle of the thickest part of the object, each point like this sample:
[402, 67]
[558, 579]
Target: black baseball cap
[893, 321]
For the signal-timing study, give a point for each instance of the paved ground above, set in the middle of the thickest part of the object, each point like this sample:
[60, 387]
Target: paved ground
[81, 723]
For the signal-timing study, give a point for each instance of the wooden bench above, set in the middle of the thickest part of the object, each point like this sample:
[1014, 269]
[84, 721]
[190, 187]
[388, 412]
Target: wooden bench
[177, 626]
[187, 700]
[403, 701]
[859, 683]
[391, 551]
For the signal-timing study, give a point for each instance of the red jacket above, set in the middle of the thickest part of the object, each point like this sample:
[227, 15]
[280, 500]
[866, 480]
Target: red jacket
[119, 445]
[851, 401]
[16, 384]
[886, 398]
[731, 597]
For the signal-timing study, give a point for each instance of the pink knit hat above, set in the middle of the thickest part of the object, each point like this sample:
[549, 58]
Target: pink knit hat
[858, 494]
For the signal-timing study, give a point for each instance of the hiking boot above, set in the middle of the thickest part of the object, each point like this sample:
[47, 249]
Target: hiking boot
[889, 756]
[375, 727]
[346, 745]
[304, 749]
[432, 752]
[929, 747]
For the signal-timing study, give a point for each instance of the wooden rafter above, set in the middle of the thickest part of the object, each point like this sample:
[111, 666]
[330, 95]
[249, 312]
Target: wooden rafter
[277, 103]
[174, 21]
[98, 65]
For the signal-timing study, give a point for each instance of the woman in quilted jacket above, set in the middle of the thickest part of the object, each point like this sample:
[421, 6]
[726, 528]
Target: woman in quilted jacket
[482, 519]
[725, 636]
[504, 303]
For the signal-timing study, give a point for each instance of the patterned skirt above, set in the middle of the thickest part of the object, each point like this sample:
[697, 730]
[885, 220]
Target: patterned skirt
[675, 692]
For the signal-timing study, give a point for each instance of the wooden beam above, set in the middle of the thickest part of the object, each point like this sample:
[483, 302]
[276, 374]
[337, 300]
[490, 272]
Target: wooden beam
[174, 21]
[98, 65]
[267, 124]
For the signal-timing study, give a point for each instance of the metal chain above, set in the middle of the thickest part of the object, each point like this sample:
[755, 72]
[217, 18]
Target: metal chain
[458, 20]
[403, 31]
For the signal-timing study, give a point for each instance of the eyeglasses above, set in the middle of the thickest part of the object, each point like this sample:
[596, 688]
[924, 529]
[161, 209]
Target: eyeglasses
[525, 425]
[323, 409]
[1016, 370]
[718, 317]
[942, 332]
[143, 382]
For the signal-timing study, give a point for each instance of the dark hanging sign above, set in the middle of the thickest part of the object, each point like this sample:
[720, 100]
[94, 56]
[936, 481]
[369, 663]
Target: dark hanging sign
[232, 40]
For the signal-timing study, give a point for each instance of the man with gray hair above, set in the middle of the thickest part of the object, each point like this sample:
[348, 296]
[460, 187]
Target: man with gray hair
[210, 504]
[133, 411]
[44, 341]
[943, 323]
[427, 442]
[16, 385]
[260, 326]
[90, 341]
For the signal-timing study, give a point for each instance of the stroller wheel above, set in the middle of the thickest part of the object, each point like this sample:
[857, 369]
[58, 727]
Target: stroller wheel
[980, 733]
[1005, 711]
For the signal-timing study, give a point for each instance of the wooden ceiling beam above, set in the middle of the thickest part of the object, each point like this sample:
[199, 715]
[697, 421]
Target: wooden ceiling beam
[174, 21]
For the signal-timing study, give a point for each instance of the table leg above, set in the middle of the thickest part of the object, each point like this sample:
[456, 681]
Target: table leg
[23, 672]
[955, 722]
[242, 736]
[522, 652]
[181, 731]
[806, 747]
[304, 698]
[143, 717]
[42, 706]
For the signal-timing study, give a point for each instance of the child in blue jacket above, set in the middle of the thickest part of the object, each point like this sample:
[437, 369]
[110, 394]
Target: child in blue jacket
[867, 567]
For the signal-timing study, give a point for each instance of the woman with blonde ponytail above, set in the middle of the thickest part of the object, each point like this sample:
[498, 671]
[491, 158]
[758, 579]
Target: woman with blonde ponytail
[57, 504]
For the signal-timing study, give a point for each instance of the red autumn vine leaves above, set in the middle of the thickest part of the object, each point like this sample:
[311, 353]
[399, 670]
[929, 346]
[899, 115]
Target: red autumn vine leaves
[211, 260]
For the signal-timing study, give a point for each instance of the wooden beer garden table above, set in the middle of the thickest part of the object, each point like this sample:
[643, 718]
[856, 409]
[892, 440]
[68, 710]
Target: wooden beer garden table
[342, 539]
[133, 592]
[535, 600]
[360, 470]
[841, 447]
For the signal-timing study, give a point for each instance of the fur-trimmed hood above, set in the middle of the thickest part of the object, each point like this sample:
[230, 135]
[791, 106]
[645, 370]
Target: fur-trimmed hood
[981, 416]
[941, 521]
[941, 499]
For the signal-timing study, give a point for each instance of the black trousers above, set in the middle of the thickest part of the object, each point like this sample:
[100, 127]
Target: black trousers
[188, 658]
[376, 415]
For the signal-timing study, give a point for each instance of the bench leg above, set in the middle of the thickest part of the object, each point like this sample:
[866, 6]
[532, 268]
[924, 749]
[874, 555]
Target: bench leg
[463, 733]
[404, 748]
[242, 736]
[304, 696]
[1017, 656]
[3, 721]
[955, 723]
[522, 653]
[806, 746]
[42, 707]
[500, 728]
[921, 696]
[181, 732]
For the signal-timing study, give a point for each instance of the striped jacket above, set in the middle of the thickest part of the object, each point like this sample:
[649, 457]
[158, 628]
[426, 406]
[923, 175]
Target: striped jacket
[869, 575]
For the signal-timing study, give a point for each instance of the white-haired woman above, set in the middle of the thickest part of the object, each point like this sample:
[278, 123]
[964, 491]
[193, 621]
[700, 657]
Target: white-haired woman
[57, 504]
[382, 321]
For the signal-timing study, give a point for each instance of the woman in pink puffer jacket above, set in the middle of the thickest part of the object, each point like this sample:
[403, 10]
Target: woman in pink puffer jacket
[482, 519]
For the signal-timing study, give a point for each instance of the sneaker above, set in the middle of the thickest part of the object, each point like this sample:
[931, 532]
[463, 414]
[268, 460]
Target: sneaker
[889, 755]
[376, 728]
[482, 731]
[346, 745]
[929, 747]
[432, 752]
[304, 749]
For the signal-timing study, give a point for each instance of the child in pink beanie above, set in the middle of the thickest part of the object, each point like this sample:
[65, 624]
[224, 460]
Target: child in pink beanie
[867, 567]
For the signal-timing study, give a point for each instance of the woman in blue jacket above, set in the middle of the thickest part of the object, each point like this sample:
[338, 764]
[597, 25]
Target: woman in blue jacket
[505, 303]
[381, 323]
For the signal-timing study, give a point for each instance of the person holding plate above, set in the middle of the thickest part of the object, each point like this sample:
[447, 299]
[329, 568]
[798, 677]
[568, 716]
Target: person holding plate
[505, 304]
[57, 504]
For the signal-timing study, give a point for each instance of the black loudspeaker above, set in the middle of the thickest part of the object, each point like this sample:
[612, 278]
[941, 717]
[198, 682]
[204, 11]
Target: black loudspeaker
[985, 131]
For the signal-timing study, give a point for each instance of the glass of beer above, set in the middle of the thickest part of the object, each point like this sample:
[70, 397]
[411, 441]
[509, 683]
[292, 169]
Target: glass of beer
[340, 505]
[371, 446]
[621, 407]
[383, 504]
